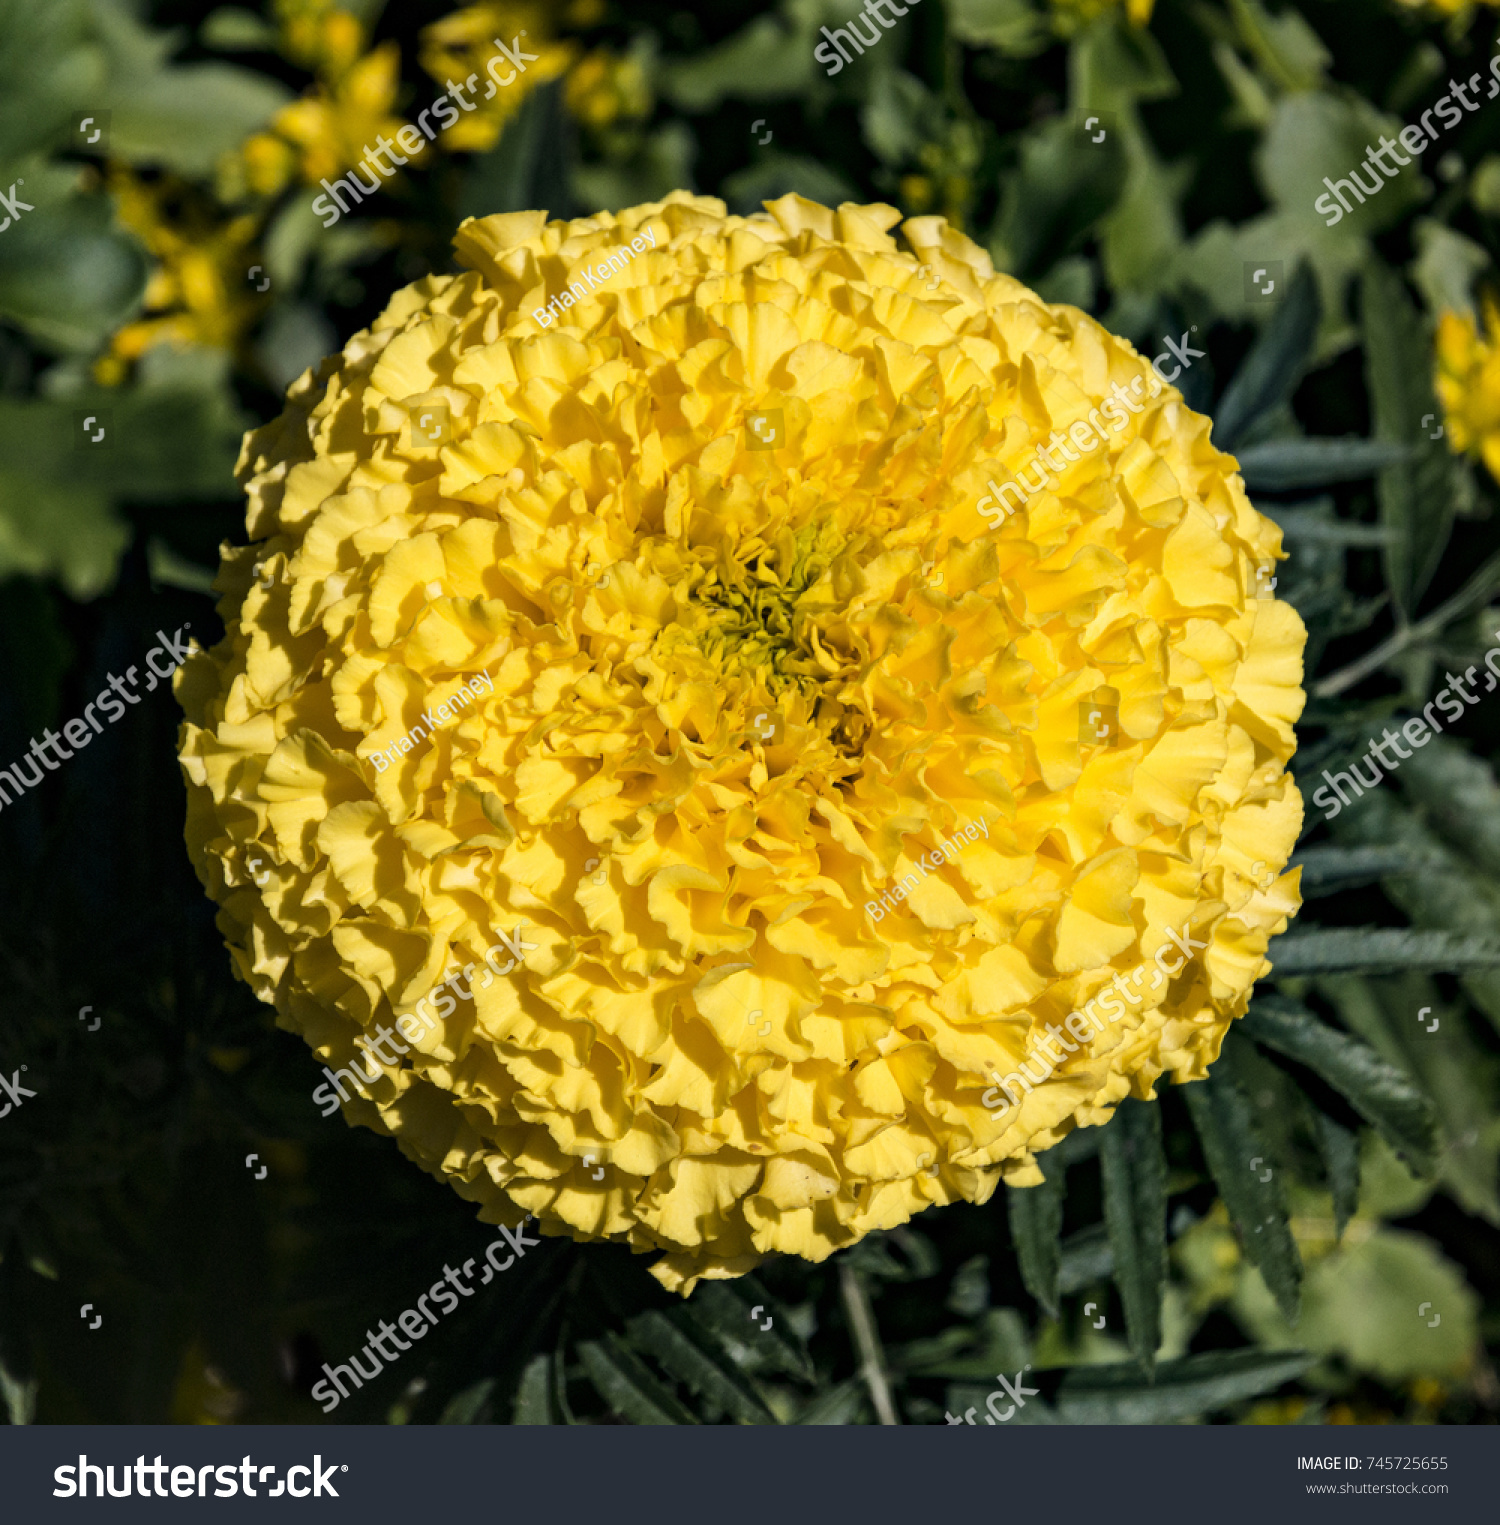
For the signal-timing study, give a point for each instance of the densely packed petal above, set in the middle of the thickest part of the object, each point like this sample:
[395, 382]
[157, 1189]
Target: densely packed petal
[666, 693]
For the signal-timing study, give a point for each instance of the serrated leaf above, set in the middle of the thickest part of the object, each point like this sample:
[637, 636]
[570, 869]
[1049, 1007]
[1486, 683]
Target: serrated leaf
[1270, 371]
[1459, 797]
[1415, 495]
[627, 1385]
[1135, 1213]
[1253, 1192]
[1036, 1214]
[465, 1407]
[1180, 1390]
[843, 1404]
[1053, 198]
[726, 1309]
[1380, 950]
[1340, 1150]
[1328, 869]
[1281, 465]
[1086, 1257]
[534, 1393]
[1381, 1094]
[685, 1351]
[527, 167]
[1446, 892]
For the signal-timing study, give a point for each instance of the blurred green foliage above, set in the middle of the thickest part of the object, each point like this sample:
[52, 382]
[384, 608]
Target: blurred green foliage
[1155, 1276]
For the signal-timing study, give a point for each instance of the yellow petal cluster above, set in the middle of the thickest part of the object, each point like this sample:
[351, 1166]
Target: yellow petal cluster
[1468, 383]
[780, 776]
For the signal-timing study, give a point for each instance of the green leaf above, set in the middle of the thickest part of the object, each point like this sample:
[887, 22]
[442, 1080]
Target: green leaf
[1328, 869]
[770, 178]
[1446, 891]
[1318, 134]
[1309, 528]
[1381, 1094]
[769, 58]
[1269, 372]
[19, 1397]
[844, 1404]
[726, 1309]
[1051, 201]
[1458, 796]
[1015, 27]
[1035, 1229]
[183, 118]
[1112, 65]
[1380, 950]
[70, 533]
[1340, 1150]
[1414, 1029]
[1182, 1389]
[527, 167]
[67, 276]
[535, 1403]
[1281, 465]
[1250, 1181]
[1135, 1211]
[45, 66]
[685, 1351]
[1288, 50]
[626, 1384]
[465, 1407]
[232, 29]
[1373, 1304]
[1086, 1258]
[1415, 495]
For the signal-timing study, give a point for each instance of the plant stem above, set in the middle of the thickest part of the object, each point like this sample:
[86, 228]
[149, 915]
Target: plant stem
[1469, 596]
[867, 1339]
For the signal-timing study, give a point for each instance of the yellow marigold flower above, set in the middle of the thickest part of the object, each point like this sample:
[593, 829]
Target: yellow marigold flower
[463, 45]
[1468, 384]
[1072, 15]
[334, 126]
[198, 291]
[676, 756]
[602, 88]
[320, 35]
